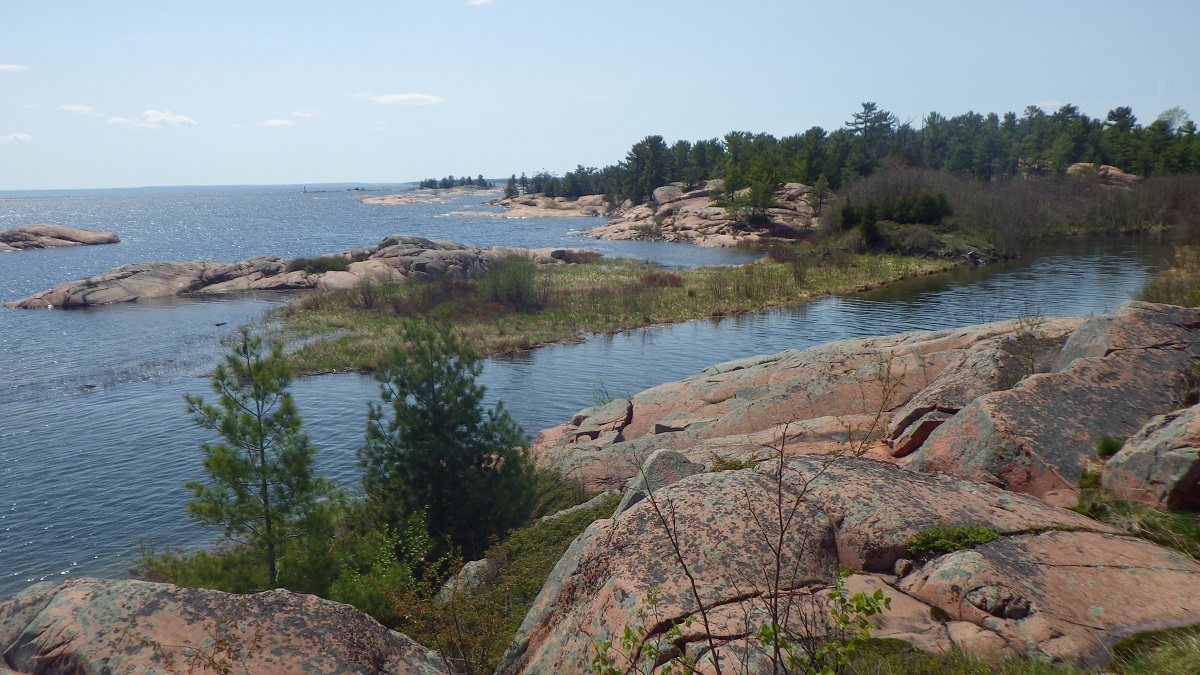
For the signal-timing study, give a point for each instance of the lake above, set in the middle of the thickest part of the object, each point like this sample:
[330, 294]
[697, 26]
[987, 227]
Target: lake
[94, 442]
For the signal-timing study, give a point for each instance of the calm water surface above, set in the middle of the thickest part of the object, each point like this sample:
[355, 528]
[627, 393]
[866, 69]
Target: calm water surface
[94, 445]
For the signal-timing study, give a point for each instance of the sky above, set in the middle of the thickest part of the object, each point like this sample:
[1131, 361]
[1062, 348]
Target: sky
[129, 93]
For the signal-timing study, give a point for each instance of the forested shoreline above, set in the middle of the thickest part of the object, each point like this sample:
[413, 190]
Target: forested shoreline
[974, 145]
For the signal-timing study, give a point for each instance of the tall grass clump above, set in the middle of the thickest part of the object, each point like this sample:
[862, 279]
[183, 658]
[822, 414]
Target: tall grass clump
[514, 282]
[325, 263]
[1179, 284]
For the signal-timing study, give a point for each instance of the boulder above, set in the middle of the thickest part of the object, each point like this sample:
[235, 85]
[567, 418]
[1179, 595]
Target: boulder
[1160, 465]
[859, 513]
[469, 577]
[96, 626]
[667, 194]
[663, 468]
[1114, 374]
[52, 236]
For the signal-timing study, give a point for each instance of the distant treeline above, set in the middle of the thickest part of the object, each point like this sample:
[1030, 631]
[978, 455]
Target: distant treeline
[972, 145]
[452, 182]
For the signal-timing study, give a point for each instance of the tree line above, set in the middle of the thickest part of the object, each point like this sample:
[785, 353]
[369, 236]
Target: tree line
[452, 182]
[983, 147]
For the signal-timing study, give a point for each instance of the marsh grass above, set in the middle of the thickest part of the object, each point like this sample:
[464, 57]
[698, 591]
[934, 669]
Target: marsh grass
[355, 329]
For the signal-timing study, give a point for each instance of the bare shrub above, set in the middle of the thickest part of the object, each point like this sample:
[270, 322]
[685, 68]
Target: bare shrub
[661, 279]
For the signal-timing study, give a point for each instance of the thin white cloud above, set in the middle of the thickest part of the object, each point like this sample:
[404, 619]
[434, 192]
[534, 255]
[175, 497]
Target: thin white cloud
[476, 3]
[306, 114]
[276, 123]
[16, 138]
[379, 126]
[153, 119]
[79, 109]
[414, 98]
[10, 68]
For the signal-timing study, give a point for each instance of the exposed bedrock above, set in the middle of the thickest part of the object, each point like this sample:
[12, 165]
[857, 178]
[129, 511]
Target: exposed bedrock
[1018, 404]
[1055, 584]
[1113, 375]
[27, 237]
[396, 259]
[835, 397]
[89, 626]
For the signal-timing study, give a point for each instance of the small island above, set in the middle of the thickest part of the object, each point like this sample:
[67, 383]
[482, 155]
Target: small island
[27, 237]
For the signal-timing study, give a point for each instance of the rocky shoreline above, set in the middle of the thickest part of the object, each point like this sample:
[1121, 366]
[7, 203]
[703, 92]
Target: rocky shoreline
[428, 196]
[871, 441]
[883, 438]
[394, 260]
[674, 213]
[28, 237]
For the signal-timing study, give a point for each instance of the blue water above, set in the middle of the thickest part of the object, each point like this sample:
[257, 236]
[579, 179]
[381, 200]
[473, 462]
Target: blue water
[94, 444]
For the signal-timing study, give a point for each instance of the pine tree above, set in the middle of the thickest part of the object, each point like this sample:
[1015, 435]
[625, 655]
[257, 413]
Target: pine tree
[261, 488]
[432, 447]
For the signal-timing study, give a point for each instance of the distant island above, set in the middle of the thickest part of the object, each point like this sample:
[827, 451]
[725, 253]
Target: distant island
[51, 236]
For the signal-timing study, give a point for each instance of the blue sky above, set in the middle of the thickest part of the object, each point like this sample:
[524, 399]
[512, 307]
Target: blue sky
[130, 93]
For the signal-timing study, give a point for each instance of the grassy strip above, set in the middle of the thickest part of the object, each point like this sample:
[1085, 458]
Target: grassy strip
[356, 329]
[473, 628]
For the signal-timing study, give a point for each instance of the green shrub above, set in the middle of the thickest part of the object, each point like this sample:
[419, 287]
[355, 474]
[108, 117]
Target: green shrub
[330, 263]
[720, 463]
[941, 539]
[917, 240]
[473, 627]
[514, 283]
[1107, 446]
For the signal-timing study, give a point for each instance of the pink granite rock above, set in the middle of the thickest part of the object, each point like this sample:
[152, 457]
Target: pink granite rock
[90, 626]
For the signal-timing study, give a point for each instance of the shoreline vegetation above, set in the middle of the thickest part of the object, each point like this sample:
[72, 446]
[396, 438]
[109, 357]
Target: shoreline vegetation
[517, 306]
[907, 203]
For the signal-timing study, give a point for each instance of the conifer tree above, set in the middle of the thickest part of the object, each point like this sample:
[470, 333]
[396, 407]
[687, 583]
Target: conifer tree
[432, 447]
[260, 488]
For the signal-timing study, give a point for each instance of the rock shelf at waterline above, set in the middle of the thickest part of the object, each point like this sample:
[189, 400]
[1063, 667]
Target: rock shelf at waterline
[396, 259]
[28, 237]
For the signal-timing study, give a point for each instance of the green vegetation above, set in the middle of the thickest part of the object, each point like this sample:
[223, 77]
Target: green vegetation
[972, 145]
[432, 448]
[1107, 446]
[1180, 531]
[720, 463]
[319, 265]
[1179, 283]
[358, 327]
[1166, 652]
[941, 539]
[452, 182]
[473, 627]
[261, 487]
[896, 657]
